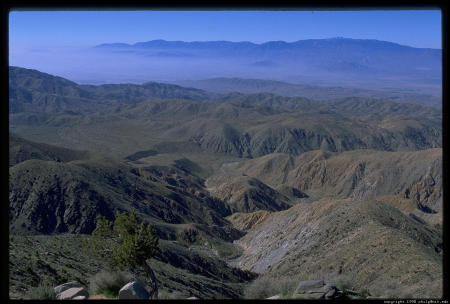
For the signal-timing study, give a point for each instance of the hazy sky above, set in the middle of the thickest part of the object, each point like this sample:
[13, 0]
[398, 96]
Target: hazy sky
[42, 29]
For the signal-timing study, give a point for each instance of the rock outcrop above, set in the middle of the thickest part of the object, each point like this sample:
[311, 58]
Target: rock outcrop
[72, 284]
[72, 293]
[316, 289]
[133, 291]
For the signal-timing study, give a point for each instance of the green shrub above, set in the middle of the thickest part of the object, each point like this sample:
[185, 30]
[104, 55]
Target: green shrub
[42, 292]
[109, 283]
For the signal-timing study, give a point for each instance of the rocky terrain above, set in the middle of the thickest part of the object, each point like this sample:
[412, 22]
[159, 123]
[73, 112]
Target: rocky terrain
[248, 193]
[237, 125]
[411, 181]
[359, 238]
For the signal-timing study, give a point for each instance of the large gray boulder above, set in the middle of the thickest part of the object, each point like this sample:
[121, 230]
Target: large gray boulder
[60, 288]
[314, 289]
[133, 290]
[71, 293]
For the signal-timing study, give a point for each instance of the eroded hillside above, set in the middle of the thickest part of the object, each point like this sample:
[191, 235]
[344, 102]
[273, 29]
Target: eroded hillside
[369, 241]
[234, 184]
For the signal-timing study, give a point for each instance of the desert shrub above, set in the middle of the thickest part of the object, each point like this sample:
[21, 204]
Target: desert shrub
[170, 295]
[267, 286]
[109, 283]
[434, 289]
[391, 289]
[42, 292]
[341, 281]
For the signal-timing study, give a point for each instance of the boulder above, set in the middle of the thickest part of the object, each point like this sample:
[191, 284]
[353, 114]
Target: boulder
[315, 289]
[276, 297]
[60, 288]
[330, 294]
[133, 290]
[192, 298]
[79, 298]
[71, 293]
[309, 285]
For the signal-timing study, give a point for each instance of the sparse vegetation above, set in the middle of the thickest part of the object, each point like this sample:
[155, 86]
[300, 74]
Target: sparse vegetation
[42, 292]
[267, 286]
[171, 295]
[341, 281]
[109, 283]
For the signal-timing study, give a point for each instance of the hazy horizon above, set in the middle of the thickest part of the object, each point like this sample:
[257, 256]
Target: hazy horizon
[63, 43]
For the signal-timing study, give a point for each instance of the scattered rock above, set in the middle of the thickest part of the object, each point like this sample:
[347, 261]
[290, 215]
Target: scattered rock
[133, 290]
[60, 288]
[71, 293]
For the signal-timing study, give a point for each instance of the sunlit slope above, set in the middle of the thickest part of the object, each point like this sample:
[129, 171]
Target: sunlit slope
[411, 181]
[367, 241]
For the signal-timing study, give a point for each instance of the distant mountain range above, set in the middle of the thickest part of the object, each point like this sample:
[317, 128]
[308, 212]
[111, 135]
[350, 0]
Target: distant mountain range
[339, 61]
[336, 62]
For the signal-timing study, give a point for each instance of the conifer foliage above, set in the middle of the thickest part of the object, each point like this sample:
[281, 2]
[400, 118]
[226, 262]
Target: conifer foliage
[125, 243]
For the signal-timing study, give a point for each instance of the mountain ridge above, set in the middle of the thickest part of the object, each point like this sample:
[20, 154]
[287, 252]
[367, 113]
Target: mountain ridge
[159, 42]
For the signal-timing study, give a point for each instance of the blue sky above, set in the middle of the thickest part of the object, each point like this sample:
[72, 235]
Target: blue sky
[40, 29]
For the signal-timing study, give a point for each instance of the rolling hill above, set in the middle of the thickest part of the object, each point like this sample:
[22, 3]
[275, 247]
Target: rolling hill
[37, 92]
[253, 86]
[235, 124]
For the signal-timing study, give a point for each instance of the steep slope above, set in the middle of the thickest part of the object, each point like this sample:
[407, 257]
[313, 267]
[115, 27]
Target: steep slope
[246, 194]
[55, 197]
[180, 270]
[360, 239]
[245, 221]
[402, 178]
[21, 150]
